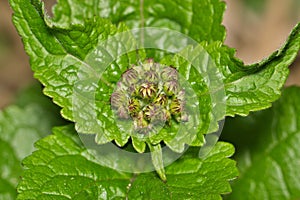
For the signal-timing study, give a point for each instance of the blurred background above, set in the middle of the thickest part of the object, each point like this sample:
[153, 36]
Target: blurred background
[255, 28]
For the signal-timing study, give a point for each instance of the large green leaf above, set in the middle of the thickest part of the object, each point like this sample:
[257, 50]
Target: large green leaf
[200, 20]
[247, 88]
[20, 127]
[62, 168]
[268, 150]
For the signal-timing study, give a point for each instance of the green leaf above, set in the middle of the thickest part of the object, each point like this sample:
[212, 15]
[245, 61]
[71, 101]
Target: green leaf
[20, 127]
[268, 150]
[58, 62]
[10, 170]
[60, 56]
[201, 21]
[62, 169]
[255, 87]
[246, 88]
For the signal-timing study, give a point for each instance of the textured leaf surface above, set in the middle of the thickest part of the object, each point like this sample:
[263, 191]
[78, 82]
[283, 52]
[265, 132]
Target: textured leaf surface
[62, 169]
[268, 150]
[58, 58]
[247, 88]
[199, 20]
[20, 127]
[255, 87]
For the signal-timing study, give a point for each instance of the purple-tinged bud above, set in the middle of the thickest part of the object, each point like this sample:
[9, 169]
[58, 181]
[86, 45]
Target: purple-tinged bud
[130, 76]
[149, 65]
[171, 87]
[154, 113]
[150, 61]
[117, 99]
[169, 73]
[151, 76]
[133, 107]
[122, 113]
[141, 125]
[161, 100]
[121, 86]
[167, 117]
[176, 107]
[147, 91]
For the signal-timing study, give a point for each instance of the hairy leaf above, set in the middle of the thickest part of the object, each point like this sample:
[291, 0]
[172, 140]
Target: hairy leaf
[61, 168]
[201, 21]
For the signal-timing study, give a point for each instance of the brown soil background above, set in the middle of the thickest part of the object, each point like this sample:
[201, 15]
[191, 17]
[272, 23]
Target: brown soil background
[254, 34]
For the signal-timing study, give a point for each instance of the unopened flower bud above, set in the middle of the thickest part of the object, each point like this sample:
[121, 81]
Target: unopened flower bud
[180, 95]
[133, 107]
[121, 86]
[149, 64]
[154, 113]
[151, 76]
[141, 125]
[147, 90]
[175, 107]
[171, 87]
[169, 73]
[123, 113]
[150, 61]
[117, 99]
[161, 100]
[130, 76]
[184, 117]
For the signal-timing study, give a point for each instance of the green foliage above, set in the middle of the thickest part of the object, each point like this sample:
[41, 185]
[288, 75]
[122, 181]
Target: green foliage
[21, 125]
[268, 150]
[61, 51]
[58, 57]
[201, 21]
[61, 168]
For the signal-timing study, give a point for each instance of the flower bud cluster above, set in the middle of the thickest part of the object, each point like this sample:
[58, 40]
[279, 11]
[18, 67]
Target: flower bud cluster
[149, 94]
